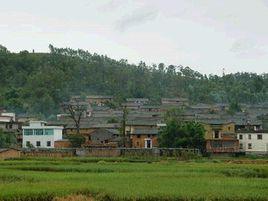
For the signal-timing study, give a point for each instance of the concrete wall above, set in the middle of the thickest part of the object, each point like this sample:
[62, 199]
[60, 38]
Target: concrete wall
[260, 145]
[42, 138]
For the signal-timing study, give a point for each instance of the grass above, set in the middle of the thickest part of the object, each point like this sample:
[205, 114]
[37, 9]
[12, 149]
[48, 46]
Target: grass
[131, 179]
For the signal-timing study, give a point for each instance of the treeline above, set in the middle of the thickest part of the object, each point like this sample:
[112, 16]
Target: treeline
[36, 83]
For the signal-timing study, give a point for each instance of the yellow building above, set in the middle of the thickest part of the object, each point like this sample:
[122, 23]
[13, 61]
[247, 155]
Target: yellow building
[220, 136]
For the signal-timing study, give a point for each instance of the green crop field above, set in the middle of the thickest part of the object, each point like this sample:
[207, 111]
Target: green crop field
[123, 179]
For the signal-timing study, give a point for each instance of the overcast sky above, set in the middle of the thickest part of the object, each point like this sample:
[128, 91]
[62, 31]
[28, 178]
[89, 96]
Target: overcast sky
[206, 35]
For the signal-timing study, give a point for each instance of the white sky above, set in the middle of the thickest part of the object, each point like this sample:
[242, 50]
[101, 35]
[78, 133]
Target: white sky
[206, 35]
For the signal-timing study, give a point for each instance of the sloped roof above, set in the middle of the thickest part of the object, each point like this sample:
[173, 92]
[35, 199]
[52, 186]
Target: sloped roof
[214, 121]
[7, 149]
[99, 97]
[145, 132]
[174, 99]
[137, 99]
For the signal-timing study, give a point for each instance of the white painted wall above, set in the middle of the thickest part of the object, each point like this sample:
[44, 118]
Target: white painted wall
[257, 145]
[57, 135]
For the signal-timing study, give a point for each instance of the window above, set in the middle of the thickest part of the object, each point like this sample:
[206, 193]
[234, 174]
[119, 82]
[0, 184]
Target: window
[137, 143]
[249, 136]
[105, 141]
[228, 144]
[89, 138]
[240, 146]
[249, 146]
[259, 137]
[229, 128]
[240, 137]
[48, 144]
[216, 144]
[216, 134]
[148, 143]
[28, 144]
[49, 132]
[28, 131]
[38, 131]
[38, 143]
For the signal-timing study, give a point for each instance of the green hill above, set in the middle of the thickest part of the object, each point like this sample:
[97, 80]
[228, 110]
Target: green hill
[37, 83]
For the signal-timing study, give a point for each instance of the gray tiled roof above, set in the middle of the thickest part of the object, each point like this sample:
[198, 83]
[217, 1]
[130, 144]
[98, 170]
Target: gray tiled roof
[145, 132]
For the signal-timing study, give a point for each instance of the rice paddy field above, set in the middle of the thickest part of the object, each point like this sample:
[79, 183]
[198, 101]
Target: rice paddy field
[128, 179]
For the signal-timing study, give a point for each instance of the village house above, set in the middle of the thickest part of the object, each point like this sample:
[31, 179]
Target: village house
[94, 132]
[99, 100]
[24, 118]
[141, 101]
[39, 135]
[176, 102]
[135, 103]
[8, 122]
[253, 142]
[131, 106]
[144, 138]
[247, 124]
[150, 108]
[143, 132]
[220, 136]
[102, 137]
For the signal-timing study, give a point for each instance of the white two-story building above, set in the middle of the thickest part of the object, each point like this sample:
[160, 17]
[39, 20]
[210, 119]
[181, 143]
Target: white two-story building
[255, 142]
[39, 135]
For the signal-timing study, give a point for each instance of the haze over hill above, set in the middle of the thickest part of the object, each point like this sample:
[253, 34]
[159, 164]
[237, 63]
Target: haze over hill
[206, 35]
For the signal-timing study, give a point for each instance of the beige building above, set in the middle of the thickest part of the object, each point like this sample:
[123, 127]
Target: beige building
[255, 142]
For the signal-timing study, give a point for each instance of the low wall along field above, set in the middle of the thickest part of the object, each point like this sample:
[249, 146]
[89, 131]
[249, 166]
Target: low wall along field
[110, 152]
[89, 178]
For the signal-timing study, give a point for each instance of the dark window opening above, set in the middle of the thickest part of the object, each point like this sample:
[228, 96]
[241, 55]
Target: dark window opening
[38, 143]
[28, 144]
[216, 134]
[259, 137]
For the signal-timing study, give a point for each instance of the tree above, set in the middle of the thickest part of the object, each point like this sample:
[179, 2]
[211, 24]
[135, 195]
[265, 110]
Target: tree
[76, 140]
[234, 107]
[179, 134]
[76, 109]
[7, 139]
[174, 113]
[36, 83]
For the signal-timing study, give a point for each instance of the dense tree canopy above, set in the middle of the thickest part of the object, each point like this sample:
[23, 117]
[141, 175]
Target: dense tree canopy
[7, 139]
[37, 83]
[179, 134]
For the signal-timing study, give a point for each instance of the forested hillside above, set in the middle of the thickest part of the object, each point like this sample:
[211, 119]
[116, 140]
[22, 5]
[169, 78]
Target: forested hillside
[36, 83]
